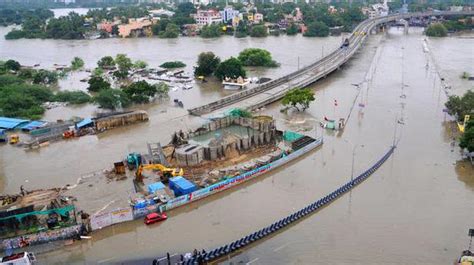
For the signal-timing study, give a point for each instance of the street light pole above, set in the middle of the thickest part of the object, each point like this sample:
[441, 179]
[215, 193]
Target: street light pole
[354, 147]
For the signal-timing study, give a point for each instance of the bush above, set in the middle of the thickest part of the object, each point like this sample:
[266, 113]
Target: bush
[15, 34]
[72, 97]
[172, 31]
[6, 80]
[467, 139]
[174, 64]
[23, 100]
[77, 63]
[436, 30]
[256, 57]
[140, 64]
[461, 106]
[12, 65]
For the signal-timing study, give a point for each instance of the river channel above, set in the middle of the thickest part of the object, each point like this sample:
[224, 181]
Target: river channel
[414, 210]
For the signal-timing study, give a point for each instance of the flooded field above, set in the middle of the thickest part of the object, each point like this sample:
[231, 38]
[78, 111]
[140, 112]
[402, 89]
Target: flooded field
[414, 210]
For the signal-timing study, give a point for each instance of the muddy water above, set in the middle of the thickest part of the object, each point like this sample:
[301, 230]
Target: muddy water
[414, 210]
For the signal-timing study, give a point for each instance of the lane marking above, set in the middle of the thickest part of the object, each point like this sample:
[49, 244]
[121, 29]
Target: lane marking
[280, 247]
[105, 260]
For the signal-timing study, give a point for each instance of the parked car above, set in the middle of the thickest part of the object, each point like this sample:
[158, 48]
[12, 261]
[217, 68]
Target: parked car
[155, 217]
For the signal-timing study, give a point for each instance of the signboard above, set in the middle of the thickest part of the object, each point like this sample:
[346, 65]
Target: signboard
[100, 221]
[121, 215]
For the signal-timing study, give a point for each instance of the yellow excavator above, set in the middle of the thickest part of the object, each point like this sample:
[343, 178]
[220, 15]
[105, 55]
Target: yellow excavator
[167, 172]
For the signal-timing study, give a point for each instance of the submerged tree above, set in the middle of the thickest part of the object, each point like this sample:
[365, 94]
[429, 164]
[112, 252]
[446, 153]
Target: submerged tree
[230, 68]
[77, 63]
[207, 63]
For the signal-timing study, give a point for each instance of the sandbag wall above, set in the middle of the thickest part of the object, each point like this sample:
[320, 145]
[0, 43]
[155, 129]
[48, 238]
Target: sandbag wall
[224, 250]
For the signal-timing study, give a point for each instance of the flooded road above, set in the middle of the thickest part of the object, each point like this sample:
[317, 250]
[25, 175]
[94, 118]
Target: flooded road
[414, 210]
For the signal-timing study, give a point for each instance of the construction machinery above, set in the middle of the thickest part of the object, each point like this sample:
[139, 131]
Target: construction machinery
[14, 138]
[166, 172]
[134, 160]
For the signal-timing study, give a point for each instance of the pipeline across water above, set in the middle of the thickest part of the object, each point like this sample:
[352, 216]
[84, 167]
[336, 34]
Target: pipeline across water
[225, 250]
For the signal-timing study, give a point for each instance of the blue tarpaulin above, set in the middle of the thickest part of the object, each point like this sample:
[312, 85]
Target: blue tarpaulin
[152, 188]
[10, 123]
[33, 125]
[84, 123]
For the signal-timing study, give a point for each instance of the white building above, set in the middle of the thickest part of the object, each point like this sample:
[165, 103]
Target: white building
[207, 17]
[228, 14]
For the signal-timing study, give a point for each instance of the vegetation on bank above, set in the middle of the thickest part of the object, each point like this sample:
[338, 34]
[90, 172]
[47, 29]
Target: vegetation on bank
[298, 98]
[230, 68]
[467, 139]
[436, 30]
[317, 29]
[211, 31]
[460, 106]
[173, 64]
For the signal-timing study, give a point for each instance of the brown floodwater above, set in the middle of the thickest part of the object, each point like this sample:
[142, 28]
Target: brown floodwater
[415, 210]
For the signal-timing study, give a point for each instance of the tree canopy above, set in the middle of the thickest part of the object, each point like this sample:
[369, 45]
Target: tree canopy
[211, 31]
[317, 29]
[97, 83]
[112, 99]
[174, 64]
[467, 139]
[461, 106]
[257, 57]
[298, 98]
[230, 68]
[207, 63]
[106, 62]
[259, 31]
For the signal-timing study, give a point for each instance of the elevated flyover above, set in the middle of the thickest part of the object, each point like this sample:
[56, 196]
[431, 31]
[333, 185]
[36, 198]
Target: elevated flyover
[274, 90]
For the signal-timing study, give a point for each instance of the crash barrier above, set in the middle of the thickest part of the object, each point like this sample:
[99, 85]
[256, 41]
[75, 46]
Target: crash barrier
[41, 237]
[355, 41]
[282, 223]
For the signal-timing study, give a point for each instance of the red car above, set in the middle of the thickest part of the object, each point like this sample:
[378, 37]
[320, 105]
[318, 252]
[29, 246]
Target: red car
[155, 217]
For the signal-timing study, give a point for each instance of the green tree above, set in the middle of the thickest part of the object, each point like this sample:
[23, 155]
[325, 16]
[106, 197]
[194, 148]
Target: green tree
[207, 63]
[317, 29]
[172, 31]
[467, 139]
[461, 106]
[241, 30]
[259, 31]
[97, 83]
[231, 68]
[112, 99]
[12, 65]
[256, 57]
[106, 62]
[124, 65]
[298, 98]
[140, 92]
[436, 30]
[211, 31]
[77, 63]
[45, 77]
[292, 29]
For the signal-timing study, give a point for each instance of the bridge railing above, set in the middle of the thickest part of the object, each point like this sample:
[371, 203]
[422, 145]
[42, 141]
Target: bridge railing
[355, 41]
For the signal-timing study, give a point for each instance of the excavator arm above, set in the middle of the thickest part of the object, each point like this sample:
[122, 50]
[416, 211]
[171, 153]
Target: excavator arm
[167, 172]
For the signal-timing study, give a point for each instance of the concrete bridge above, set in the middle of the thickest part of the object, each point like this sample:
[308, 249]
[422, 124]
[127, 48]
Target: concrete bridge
[274, 90]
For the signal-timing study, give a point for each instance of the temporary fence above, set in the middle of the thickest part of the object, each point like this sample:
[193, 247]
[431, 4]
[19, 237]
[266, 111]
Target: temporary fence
[99, 221]
[41, 237]
[224, 250]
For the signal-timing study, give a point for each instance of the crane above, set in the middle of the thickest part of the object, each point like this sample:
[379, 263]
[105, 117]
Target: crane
[167, 172]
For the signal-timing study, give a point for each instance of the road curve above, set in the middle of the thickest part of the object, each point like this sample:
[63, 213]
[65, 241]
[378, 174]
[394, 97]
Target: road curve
[274, 90]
